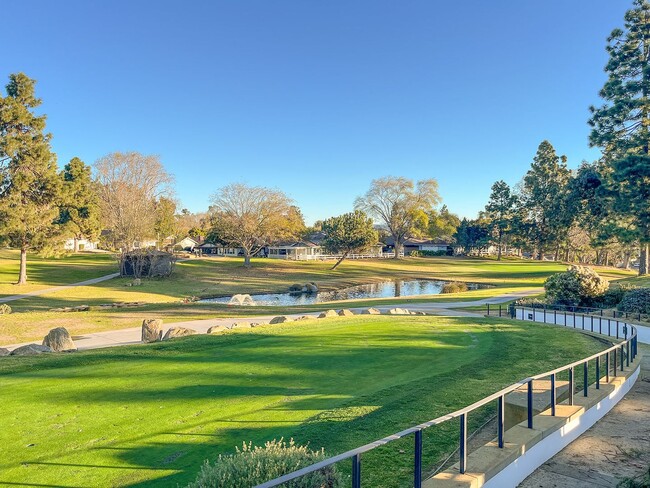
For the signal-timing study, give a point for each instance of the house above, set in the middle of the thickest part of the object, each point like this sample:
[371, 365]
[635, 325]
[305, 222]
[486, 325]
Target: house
[186, 244]
[410, 245]
[294, 250]
[218, 250]
[81, 245]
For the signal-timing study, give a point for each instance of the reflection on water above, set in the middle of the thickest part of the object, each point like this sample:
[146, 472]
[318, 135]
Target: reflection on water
[386, 289]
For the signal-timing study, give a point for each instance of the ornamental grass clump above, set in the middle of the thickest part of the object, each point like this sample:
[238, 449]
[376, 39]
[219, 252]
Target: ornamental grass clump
[252, 465]
[454, 287]
[579, 285]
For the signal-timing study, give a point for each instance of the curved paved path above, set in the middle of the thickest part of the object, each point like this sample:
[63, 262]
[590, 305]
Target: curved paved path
[45, 291]
[132, 336]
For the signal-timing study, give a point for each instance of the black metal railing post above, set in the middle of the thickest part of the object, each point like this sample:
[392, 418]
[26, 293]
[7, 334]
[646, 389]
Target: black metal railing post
[615, 361]
[417, 475]
[553, 399]
[356, 471]
[530, 404]
[607, 364]
[462, 451]
[571, 385]
[622, 358]
[501, 418]
[598, 373]
[585, 378]
[627, 356]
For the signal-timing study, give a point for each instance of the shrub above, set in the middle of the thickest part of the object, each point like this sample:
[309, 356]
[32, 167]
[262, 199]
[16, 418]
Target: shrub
[428, 253]
[613, 296]
[251, 466]
[454, 287]
[530, 302]
[579, 285]
[636, 301]
[5, 309]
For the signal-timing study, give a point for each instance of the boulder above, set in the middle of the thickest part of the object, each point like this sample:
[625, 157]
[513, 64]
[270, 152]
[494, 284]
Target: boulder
[30, 350]
[311, 287]
[371, 311]
[5, 309]
[327, 314]
[59, 340]
[241, 325]
[280, 320]
[295, 288]
[398, 311]
[151, 330]
[136, 282]
[4, 352]
[217, 329]
[178, 332]
[346, 312]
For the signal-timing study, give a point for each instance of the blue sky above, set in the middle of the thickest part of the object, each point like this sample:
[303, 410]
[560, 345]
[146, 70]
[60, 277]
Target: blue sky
[317, 98]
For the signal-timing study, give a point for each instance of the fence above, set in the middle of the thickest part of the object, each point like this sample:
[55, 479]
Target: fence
[326, 257]
[616, 358]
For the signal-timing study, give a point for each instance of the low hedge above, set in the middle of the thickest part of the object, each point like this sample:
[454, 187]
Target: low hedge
[454, 287]
[636, 301]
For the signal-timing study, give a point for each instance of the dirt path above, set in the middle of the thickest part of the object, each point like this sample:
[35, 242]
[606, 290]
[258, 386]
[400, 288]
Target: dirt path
[616, 447]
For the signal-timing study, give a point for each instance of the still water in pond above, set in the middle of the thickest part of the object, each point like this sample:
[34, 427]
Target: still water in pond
[386, 289]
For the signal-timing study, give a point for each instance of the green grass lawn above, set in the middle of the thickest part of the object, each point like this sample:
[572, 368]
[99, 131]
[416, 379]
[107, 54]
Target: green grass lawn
[50, 272]
[226, 276]
[149, 415]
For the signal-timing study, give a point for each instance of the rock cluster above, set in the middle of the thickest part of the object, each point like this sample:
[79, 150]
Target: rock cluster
[151, 330]
[59, 340]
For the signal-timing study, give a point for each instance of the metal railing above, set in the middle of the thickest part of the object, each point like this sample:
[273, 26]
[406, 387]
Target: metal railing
[616, 358]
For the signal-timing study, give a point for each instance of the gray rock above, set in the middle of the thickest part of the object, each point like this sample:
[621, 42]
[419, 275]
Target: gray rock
[59, 340]
[217, 329]
[178, 332]
[4, 352]
[296, 288]
[311, 287]
[280, 320]
[327, 314]
[345, 313]
[30, 350]
[137, 282]
[371, 311]
[151, 330]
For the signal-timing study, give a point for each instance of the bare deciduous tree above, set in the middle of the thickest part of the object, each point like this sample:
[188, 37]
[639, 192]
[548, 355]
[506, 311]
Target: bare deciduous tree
[128, 186]
[251, 217]
[401, 205]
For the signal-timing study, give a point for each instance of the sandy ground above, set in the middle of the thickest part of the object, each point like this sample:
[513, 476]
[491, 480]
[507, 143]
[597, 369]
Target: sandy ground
[616, 447]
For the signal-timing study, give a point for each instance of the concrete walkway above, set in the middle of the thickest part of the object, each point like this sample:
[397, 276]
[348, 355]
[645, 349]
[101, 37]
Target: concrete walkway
[133, 335]
[616, 447]
[45, 291]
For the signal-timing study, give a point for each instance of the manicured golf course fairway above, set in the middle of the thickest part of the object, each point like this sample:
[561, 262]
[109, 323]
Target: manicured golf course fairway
[151, 414]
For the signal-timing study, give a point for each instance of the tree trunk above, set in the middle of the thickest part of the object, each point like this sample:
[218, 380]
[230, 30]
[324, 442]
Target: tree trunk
[345, 255]
[247, 259]
[22, 277]
[643, 259]
[499, 250]
[76, 244]
[626, 260]
[398, 247]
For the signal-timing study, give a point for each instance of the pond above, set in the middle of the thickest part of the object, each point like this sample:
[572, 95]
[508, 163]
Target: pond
[386, 289]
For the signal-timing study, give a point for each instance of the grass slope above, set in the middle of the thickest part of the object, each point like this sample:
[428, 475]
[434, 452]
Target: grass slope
[149, 415]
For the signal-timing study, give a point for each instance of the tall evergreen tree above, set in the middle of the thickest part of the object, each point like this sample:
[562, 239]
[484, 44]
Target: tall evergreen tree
[543, 198]
[621, 127]
[499, 211]
[29, 183]
[79, 211]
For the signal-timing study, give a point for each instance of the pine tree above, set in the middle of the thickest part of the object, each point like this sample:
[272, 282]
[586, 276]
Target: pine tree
[79, 211]
[544, 197]
[29, 183]
[621, 127]
[500, 211]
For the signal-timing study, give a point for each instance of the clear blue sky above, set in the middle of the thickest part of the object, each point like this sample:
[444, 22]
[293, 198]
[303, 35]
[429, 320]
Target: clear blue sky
[317, 98]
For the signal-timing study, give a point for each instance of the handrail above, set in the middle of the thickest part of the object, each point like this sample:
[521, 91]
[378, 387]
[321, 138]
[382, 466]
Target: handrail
[354, 454]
